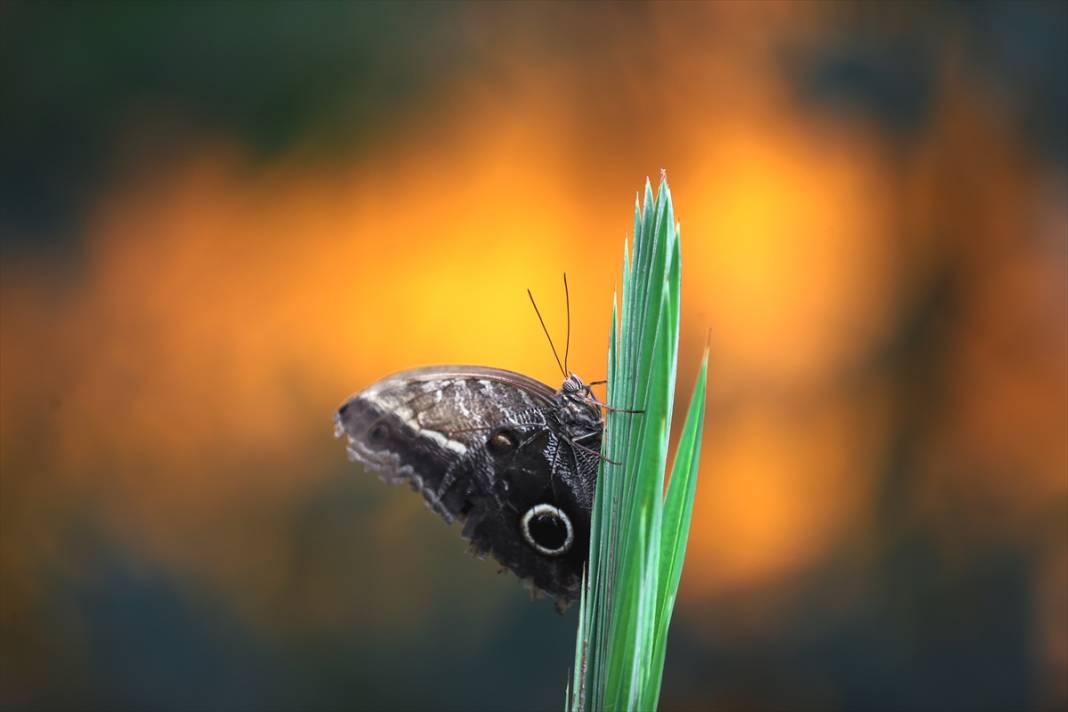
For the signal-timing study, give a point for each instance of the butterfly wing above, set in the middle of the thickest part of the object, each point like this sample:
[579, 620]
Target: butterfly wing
[427, 425]
[481, 445]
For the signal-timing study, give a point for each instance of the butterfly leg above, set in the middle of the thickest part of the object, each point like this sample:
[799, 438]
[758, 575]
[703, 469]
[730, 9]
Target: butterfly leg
[590, 450]
[577, 442]
[590, 394]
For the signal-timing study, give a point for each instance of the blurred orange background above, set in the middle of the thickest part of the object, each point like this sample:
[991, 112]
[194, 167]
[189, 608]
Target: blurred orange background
[218, 223]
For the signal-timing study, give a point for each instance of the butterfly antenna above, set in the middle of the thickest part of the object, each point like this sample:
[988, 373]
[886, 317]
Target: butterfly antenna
[551, 345]
[567, 344]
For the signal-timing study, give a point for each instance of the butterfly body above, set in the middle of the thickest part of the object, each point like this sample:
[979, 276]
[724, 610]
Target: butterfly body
[512, 458]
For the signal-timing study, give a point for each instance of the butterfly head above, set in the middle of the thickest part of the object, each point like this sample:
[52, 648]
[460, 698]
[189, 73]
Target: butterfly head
[573, 385]
[577, 398]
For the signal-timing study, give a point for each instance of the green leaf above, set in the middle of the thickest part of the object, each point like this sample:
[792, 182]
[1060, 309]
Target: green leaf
[638, 533]
[678, 509]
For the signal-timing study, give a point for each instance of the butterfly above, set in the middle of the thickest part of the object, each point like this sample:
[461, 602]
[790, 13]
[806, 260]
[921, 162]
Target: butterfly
[512, 458]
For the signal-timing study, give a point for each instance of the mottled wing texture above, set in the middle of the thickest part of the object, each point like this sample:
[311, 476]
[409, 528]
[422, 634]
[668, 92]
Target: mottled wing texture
[430, 427]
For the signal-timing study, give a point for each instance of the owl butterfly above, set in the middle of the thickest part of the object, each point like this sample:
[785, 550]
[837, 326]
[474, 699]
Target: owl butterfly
[513, 459]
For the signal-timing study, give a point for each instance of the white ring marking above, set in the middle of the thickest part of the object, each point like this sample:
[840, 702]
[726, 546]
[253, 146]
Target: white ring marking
[539, 509]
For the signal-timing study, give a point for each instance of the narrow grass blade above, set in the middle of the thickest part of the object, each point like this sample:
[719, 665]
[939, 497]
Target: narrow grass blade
[638, 533]
[678, 509]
